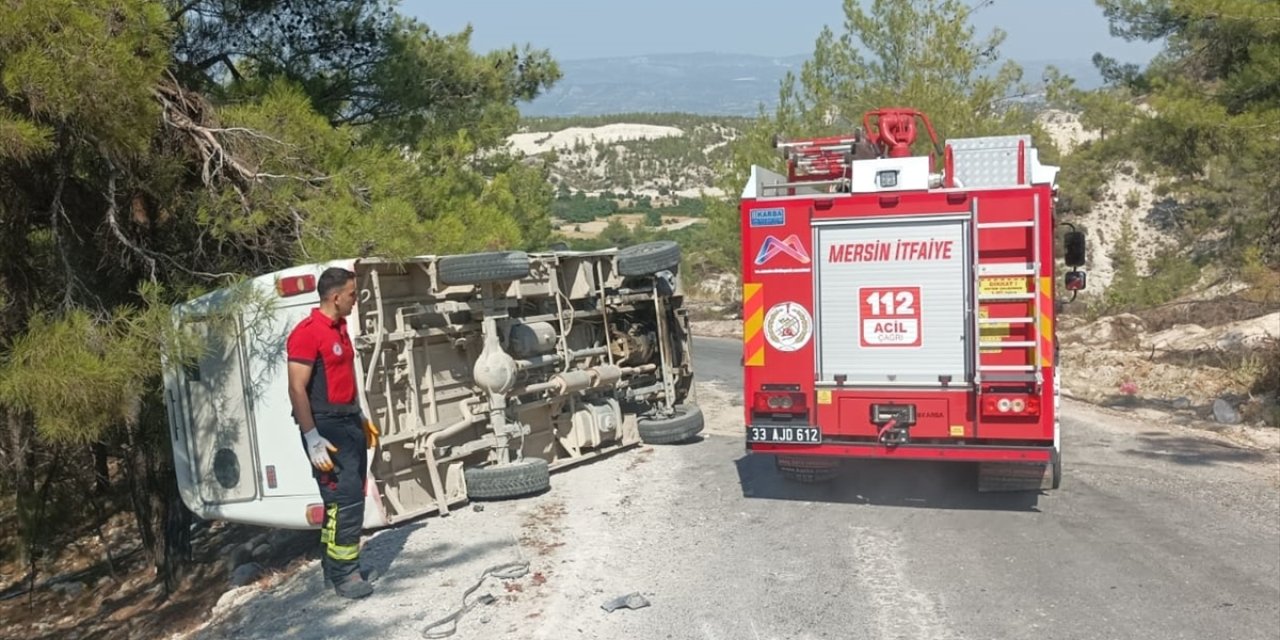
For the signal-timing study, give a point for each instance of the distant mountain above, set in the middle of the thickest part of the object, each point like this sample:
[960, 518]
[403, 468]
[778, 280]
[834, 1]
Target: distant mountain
[700, 83]
[705, 84]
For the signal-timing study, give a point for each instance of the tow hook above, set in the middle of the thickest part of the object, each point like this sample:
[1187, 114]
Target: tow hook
[894, 422]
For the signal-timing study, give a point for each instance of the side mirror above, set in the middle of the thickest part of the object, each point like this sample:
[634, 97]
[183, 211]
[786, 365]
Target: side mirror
[1074, 243]
[1075, 280]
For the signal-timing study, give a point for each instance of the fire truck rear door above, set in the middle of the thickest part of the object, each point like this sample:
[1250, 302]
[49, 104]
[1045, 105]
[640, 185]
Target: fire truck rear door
[893, 301]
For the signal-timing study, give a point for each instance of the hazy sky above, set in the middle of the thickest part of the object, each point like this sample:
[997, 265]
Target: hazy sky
[575, 29]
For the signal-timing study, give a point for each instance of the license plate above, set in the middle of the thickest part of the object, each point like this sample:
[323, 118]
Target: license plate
[784, 435]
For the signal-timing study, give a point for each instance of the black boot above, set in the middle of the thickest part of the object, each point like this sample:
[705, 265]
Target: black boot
[354, 587]
[369, 575]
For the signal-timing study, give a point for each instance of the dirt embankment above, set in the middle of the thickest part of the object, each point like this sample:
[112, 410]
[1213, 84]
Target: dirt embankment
[102, 585]
[1191, 358]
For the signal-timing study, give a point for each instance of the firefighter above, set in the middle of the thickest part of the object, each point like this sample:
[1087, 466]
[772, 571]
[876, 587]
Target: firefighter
[335, 432]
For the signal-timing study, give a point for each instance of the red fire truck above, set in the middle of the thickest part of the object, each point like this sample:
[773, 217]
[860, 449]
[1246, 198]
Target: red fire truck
[901, 305]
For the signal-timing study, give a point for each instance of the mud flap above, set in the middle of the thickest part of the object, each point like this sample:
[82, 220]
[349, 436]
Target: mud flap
[1019, 476]
[807, 469]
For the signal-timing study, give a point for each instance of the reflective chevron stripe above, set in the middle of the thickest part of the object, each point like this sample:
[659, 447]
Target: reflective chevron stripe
[1046, 322]
[753, 324]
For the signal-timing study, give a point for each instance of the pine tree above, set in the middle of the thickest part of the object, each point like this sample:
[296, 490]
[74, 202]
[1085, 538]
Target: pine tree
[921, 54]
[1211, 122]
[153, 149]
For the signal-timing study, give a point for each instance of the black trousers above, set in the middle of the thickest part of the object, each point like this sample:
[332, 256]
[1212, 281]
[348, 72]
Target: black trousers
[342, 491]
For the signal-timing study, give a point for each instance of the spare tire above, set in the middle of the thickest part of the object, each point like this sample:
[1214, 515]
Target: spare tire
[511, 480]
[683, 425]
[648, 258]
[476, 268]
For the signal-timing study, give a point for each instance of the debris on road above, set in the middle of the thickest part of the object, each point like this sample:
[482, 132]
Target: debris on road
[630, 601]
[1224, 413]
[508, 571]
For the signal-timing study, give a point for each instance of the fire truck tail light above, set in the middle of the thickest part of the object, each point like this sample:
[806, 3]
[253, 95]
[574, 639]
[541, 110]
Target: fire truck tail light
[295, 285]
[1011, 406]
[780, 402]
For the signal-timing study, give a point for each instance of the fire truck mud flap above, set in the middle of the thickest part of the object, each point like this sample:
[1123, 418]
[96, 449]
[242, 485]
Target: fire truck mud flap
[807, 469]
[681, 426]
[1017, 476]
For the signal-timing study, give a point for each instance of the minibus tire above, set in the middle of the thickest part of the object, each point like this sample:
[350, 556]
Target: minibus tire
[686, 423]
[478, 268]
[648, 258]
[512, 480]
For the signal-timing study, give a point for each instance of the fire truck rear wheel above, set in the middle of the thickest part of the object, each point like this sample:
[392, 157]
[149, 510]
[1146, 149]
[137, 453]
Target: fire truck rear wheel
[1056, 465]
[512, 480]
[648, 258]
[806, 470]
[681, 426]
[477, 268]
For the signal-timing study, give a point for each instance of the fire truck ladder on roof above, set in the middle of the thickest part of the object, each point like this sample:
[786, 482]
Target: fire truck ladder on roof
[816, 164]
[1007, 373]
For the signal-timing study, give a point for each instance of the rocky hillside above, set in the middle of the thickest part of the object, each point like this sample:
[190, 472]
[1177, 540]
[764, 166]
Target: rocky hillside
[1129, 206]
[660, 156]
[1215, 370]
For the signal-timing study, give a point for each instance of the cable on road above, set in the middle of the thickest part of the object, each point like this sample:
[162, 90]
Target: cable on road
[508, 571]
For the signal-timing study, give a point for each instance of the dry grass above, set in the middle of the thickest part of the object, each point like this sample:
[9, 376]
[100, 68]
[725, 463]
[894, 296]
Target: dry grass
[1207, 313]
[1267, 378]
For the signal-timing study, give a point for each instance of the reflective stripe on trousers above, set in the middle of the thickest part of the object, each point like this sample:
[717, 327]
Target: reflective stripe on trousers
[329, 536]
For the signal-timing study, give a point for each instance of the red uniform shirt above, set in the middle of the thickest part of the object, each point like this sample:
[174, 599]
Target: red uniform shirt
[323, 343]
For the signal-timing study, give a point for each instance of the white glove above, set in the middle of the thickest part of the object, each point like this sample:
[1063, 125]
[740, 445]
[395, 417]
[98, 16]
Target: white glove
[318, 449]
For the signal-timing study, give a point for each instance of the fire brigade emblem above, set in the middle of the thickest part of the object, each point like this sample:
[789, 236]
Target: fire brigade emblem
[788, 326]
[337, 349]
[773, 247]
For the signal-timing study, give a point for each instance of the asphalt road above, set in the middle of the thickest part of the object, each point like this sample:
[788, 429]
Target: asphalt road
[718, 362]
[1157, 532]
